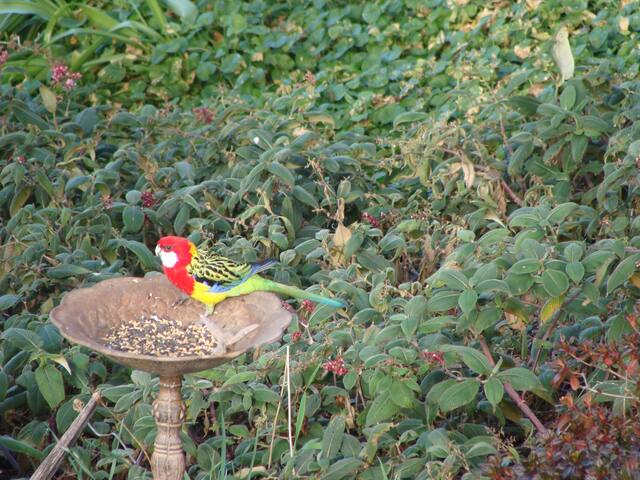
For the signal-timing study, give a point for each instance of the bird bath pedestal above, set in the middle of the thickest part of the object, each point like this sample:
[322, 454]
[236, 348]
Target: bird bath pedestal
[86, 315]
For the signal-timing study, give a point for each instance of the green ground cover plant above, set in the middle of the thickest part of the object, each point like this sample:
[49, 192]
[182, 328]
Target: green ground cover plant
[422, 160]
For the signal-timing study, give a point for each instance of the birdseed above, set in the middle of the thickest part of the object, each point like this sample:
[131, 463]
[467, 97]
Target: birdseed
[152, 335]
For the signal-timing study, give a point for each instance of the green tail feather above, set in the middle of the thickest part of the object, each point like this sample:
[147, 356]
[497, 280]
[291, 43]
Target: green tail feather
[298, 293]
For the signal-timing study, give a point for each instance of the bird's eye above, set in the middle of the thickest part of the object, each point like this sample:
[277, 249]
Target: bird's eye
[168, 248]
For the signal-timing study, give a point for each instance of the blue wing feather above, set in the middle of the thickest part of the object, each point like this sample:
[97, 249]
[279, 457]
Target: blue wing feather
[255, 268]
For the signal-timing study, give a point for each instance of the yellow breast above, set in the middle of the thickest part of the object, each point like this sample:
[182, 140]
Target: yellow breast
[202, 294]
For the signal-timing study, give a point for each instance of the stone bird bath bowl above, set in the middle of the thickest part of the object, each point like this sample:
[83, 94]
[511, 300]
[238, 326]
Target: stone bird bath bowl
[85, 315]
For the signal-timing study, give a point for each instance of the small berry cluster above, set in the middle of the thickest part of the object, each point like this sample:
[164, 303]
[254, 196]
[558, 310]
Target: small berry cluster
[296, 336]
[336, 366]
[371, 220]
[107, 202]
[433, 357]
[148, 200]
[310, 78]
[204, 114]
[308, 307]
[63, 77]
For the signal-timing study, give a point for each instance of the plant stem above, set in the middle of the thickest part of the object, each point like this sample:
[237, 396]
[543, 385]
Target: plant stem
[288, 376]
[552, 327]
[522, 405]
[49, 466]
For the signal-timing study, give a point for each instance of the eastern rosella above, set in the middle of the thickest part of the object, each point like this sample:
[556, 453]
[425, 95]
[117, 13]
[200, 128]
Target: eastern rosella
[211, 278]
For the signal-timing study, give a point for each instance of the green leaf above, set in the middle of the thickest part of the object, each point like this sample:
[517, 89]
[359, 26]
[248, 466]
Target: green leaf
[41, 9]
[132, 218]
[23, 339]
[241, 377]
[18, 446]
[454, 279]
[493, 285]
[409, 117]
[66, 271]
[550, 307]
[568, 97]
[561, 212]
[381, 408]
[305, 197]
[4, 385]
[527, 105]
[45, 183]
[467, 300]
[401, 394]
[49, 99]
[594, 124]
[19, 199]
[76, 182]
[353, 244]
[416, 308]
[237, 23]
[283, 173]
[555, 282]
[480, 449]
[50, 383]
[371, 13]
[459, 394]
[493, 237]
[320, 117]
[180, 222]
[148, 259]
[573, 252]
[494, 391]
[575, 270]
[487, 318]
[579, 144]
[522, 153]
[267, 396]
[332, 438]
[27, 117]
[409, 326]
[443, 301]
[8, 300]
[185, 9]
[528, 265]
[341, 469]
[622, 272]
[301, 411]
[472, 358]
[520, 378]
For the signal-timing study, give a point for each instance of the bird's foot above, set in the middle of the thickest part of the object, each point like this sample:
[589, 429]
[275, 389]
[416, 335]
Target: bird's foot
[181, 301]
[209, 310]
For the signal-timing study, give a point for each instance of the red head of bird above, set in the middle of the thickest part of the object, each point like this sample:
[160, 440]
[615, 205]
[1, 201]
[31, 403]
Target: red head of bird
[175, 254]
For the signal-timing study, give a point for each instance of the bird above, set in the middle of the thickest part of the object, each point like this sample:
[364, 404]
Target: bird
[211, 278]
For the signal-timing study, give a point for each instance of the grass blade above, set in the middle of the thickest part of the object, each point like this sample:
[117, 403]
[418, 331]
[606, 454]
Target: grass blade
[39, 9]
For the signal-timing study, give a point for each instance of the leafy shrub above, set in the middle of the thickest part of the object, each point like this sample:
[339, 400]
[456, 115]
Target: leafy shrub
[480, 220]
[596, 436]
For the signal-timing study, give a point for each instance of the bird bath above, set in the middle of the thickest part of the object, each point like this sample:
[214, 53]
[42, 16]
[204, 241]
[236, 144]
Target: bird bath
[85, 316]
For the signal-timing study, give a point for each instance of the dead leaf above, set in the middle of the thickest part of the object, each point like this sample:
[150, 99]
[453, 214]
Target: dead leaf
[342, 235]
[469, 172]
[562, 54]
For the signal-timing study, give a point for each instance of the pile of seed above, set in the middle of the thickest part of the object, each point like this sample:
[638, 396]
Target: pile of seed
[161, 336]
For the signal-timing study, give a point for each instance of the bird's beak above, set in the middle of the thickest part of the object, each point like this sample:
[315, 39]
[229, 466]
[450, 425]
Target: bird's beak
[158, 250]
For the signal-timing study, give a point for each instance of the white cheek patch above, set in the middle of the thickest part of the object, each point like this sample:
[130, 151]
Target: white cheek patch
[168, 259]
